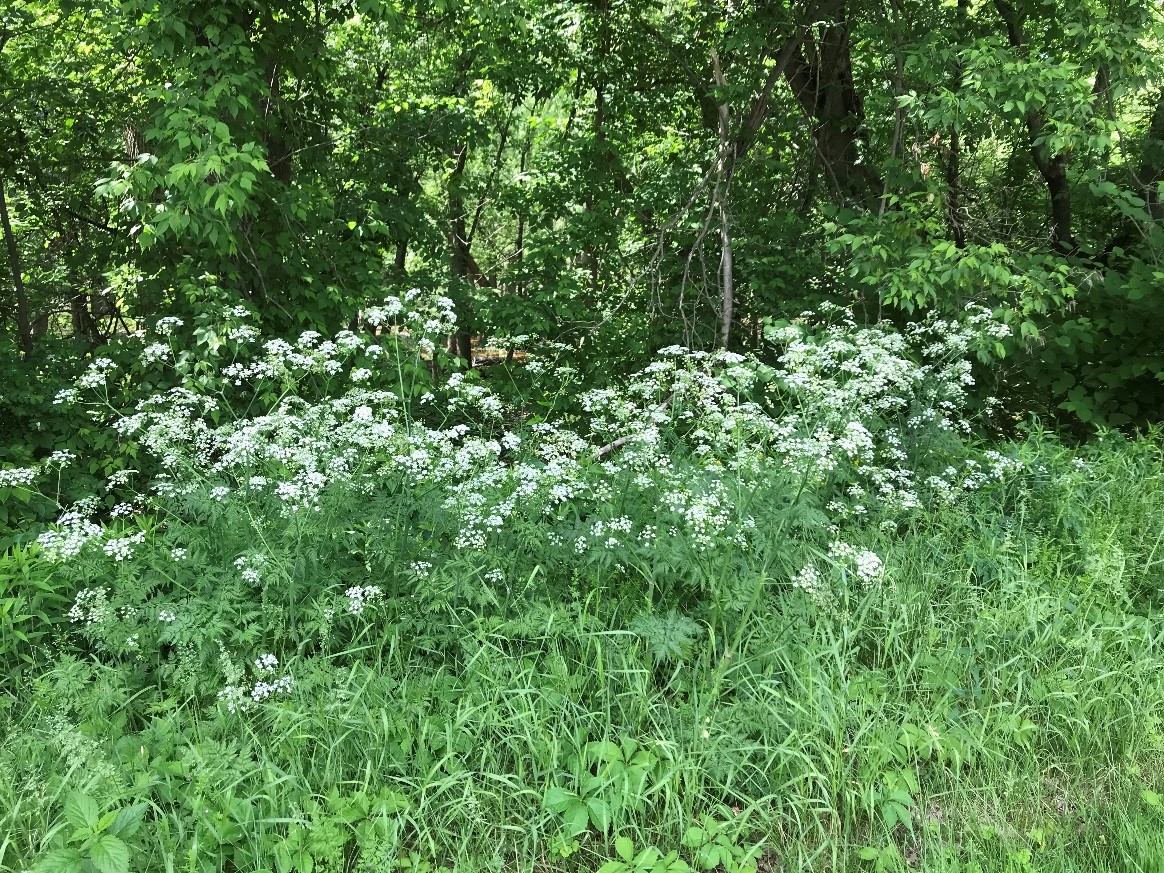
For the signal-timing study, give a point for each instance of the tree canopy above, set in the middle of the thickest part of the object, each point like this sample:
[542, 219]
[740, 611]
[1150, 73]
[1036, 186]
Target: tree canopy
[611, 176]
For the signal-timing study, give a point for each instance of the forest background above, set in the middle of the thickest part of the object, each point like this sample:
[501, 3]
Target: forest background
[560, 432]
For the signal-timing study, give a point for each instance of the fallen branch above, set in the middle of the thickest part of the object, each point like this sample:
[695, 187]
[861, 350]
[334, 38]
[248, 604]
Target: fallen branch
[614, 445]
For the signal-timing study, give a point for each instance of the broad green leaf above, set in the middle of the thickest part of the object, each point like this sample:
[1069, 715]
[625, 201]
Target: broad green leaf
[625, 848]
[109, 854]
[128, 820]
[82, 811]
[694, 837]
[577, 818]
[61, 861]
[558, 799]
[599, 812]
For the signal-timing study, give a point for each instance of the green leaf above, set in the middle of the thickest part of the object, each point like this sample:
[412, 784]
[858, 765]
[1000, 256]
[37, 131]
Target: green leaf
[558, 799]
[82, 811]
[128, 820]
[109, 854]
[577, 819]
[708, 857]
[625, 848]
[61, 861]
[599, 813]
[694, 837]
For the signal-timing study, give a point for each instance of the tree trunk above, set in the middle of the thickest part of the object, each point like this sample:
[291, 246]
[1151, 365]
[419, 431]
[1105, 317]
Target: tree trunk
[23, 323]
[84, 323]
[730, 153]
[1152, 164]
[519, 255]
[461, 341]
[601, 164]
[953, 162]
[727, 276]
[821, 77]
[722, 183]
[275, 130]
[1053, 168]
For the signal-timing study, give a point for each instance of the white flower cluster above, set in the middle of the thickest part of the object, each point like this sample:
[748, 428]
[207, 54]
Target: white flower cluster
[119, 478]
[72, 532]
[865, 565]
[263, 689]
[251, 567]
[707, 514]
[360, 596]
[121, 548]
[611, 533]
[241, 697]
[266, 663]
[155, 352]
[24, 477]
[14, 476]
[166, 326]
[242, 333]
[97, 373]
[868, 392]
[840, 412]
[809, 581]
[91, 606]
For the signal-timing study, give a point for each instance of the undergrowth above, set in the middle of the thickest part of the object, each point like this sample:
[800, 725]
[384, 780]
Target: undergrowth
[347, 614]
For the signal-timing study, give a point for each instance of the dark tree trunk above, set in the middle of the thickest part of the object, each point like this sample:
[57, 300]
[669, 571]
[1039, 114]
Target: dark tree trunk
[954, 191]
[953, 161]
[459, 258]
[84, 324]
[724, 165]
[1152, 162]
[820, 74]
[1052, 167]
[602, 161]
[23, 322]
[275, 135]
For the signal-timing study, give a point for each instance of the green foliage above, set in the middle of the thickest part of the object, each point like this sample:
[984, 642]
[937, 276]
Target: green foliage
[669, 637]
[647, 860]
[97, 841]
[288, 584]
[32, 599]
[714, 845]
[609, 779]
[994, 695]
[32, 427]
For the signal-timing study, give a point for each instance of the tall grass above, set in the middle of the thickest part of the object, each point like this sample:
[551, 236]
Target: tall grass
[992, 701]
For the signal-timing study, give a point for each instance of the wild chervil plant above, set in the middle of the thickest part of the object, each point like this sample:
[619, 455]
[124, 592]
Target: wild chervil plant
[351, 612]
[347, 454]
